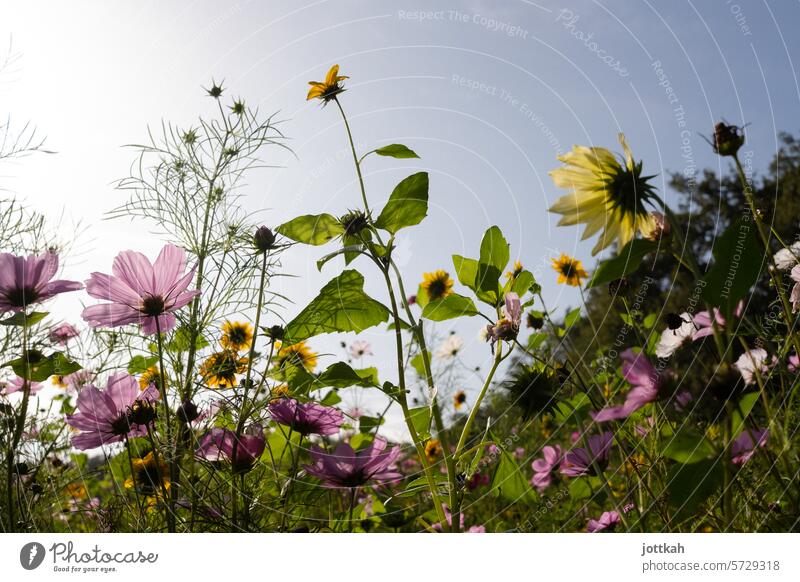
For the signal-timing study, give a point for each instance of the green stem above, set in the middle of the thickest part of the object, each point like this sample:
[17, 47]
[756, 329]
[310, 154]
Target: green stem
[355, 158]
[173, 469]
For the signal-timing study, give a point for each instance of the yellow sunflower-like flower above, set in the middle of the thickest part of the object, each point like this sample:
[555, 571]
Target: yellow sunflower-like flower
[298, 354]
[150, 376]
[236, 335]
[570, 271]
[220, 368]
[150, 476]
[76, 491]
[278, 392]
[437, 284]
[329, 88]
[433, 450]
[606, 195]
[459, 398]
[518, 268]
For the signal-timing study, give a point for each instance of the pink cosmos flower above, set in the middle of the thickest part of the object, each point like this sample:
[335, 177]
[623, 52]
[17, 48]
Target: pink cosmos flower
[703, 321]
[18, 384]
[644, 378]
[745, 445]
[545, 467]
[359, 349]
[607, 522]
[27, 280]
[579, 461]
[220, 444]
[793, 363]
[478, 480]
[449, 518]
[62, 333]
[141, 292]
[307, 417]
[104, 416]
[349, 468]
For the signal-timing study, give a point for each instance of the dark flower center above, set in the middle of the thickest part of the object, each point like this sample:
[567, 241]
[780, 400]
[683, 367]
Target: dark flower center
[437, 289]
[237, 335]
[148, 478]
[121, 425]
[20, 297]
[568, 269]
[153, 305]
[355, 479]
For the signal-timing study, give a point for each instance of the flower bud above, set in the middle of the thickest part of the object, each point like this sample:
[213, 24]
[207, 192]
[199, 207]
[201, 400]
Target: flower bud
[187, 412]
[141, 412]
[727, 139]
[534, 320]
[276, 332]
[264, 239]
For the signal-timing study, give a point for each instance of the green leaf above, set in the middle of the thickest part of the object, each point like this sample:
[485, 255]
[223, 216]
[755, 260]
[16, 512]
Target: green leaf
[625, 263]
[392, 391]
[687, 446]
[39, 367]
[347, 251]
[340, 306]
[487, 284]
[743, 409]
[332, 398]
[407, 205]
[396, 150]
[494, 249]
[466, 271]
[508, 481]
[312, 229]
[522, 283]
[585, 487]
[369, 423]
[689, 485]
[535, 340]
[422, 297]
[736, 266]
[25, 320]
[342, 375]
[452, 306]
[572, 317]
[421, 420]
[577, 404]
[298, 379]
[418, 363]
[140, 364]
[182, 339]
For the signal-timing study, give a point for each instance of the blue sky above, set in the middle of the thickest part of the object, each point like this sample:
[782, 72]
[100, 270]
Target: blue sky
[486, 92]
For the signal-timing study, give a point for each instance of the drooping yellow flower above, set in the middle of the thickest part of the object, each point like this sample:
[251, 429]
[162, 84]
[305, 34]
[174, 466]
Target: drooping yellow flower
[236, 335]
[150, 376]
[459, 398]
[606, 195]
[327, 89]
[150, 476]
[437, 284]
[433, 450]
[570, 271]
[220, 368]
[298, 354]
[518, 268]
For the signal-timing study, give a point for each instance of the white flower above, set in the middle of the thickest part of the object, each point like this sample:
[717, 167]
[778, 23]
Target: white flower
[672, 339]
[483, 333]
[787, 258]
[450, 347]
[751, 360]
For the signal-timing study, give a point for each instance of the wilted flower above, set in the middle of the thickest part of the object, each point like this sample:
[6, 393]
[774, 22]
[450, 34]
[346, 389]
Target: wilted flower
[450, 347]
[658, 227]
[306, 417]
[607, 522]
[221, 444]
[507, 326]
[62, 333]
[644, 378]
[141, 292]
[679, 329]
[753, 360]
[18, 385]
[570, 271]
[745, 445]
[236, 335]
[580, 461]
[25, 281]
[605, 194]
[727, 139]
[103, 416]
[349, 468]
[545, 468]
[437, 284]
[329, 88]
[359, 349]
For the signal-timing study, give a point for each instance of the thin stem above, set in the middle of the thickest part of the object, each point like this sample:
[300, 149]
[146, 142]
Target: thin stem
[355, 158]
[173, 469]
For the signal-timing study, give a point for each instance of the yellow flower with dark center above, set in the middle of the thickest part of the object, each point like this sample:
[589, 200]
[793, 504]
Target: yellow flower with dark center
[76, 491]
[433, 450]
[220, 368]
[329, 88]
[437, 284]
[606, 195]
[570, 271]
[150, 476]
[518, 268]
[150, 376]
[278, 392]
[236, 335]
[298, 354]
[459, 398]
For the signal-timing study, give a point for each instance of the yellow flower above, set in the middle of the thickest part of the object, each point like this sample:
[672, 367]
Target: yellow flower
[327, 89]
[570, 271]
[150, 376]
[59, 381]
[433, 450]
[605, 194]
[76, 491]
[459, 398]
[236, 335]
[278, 392]
[298, 354]
[437, 284]
[518, 268]
[149, 475]
[220, 368]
